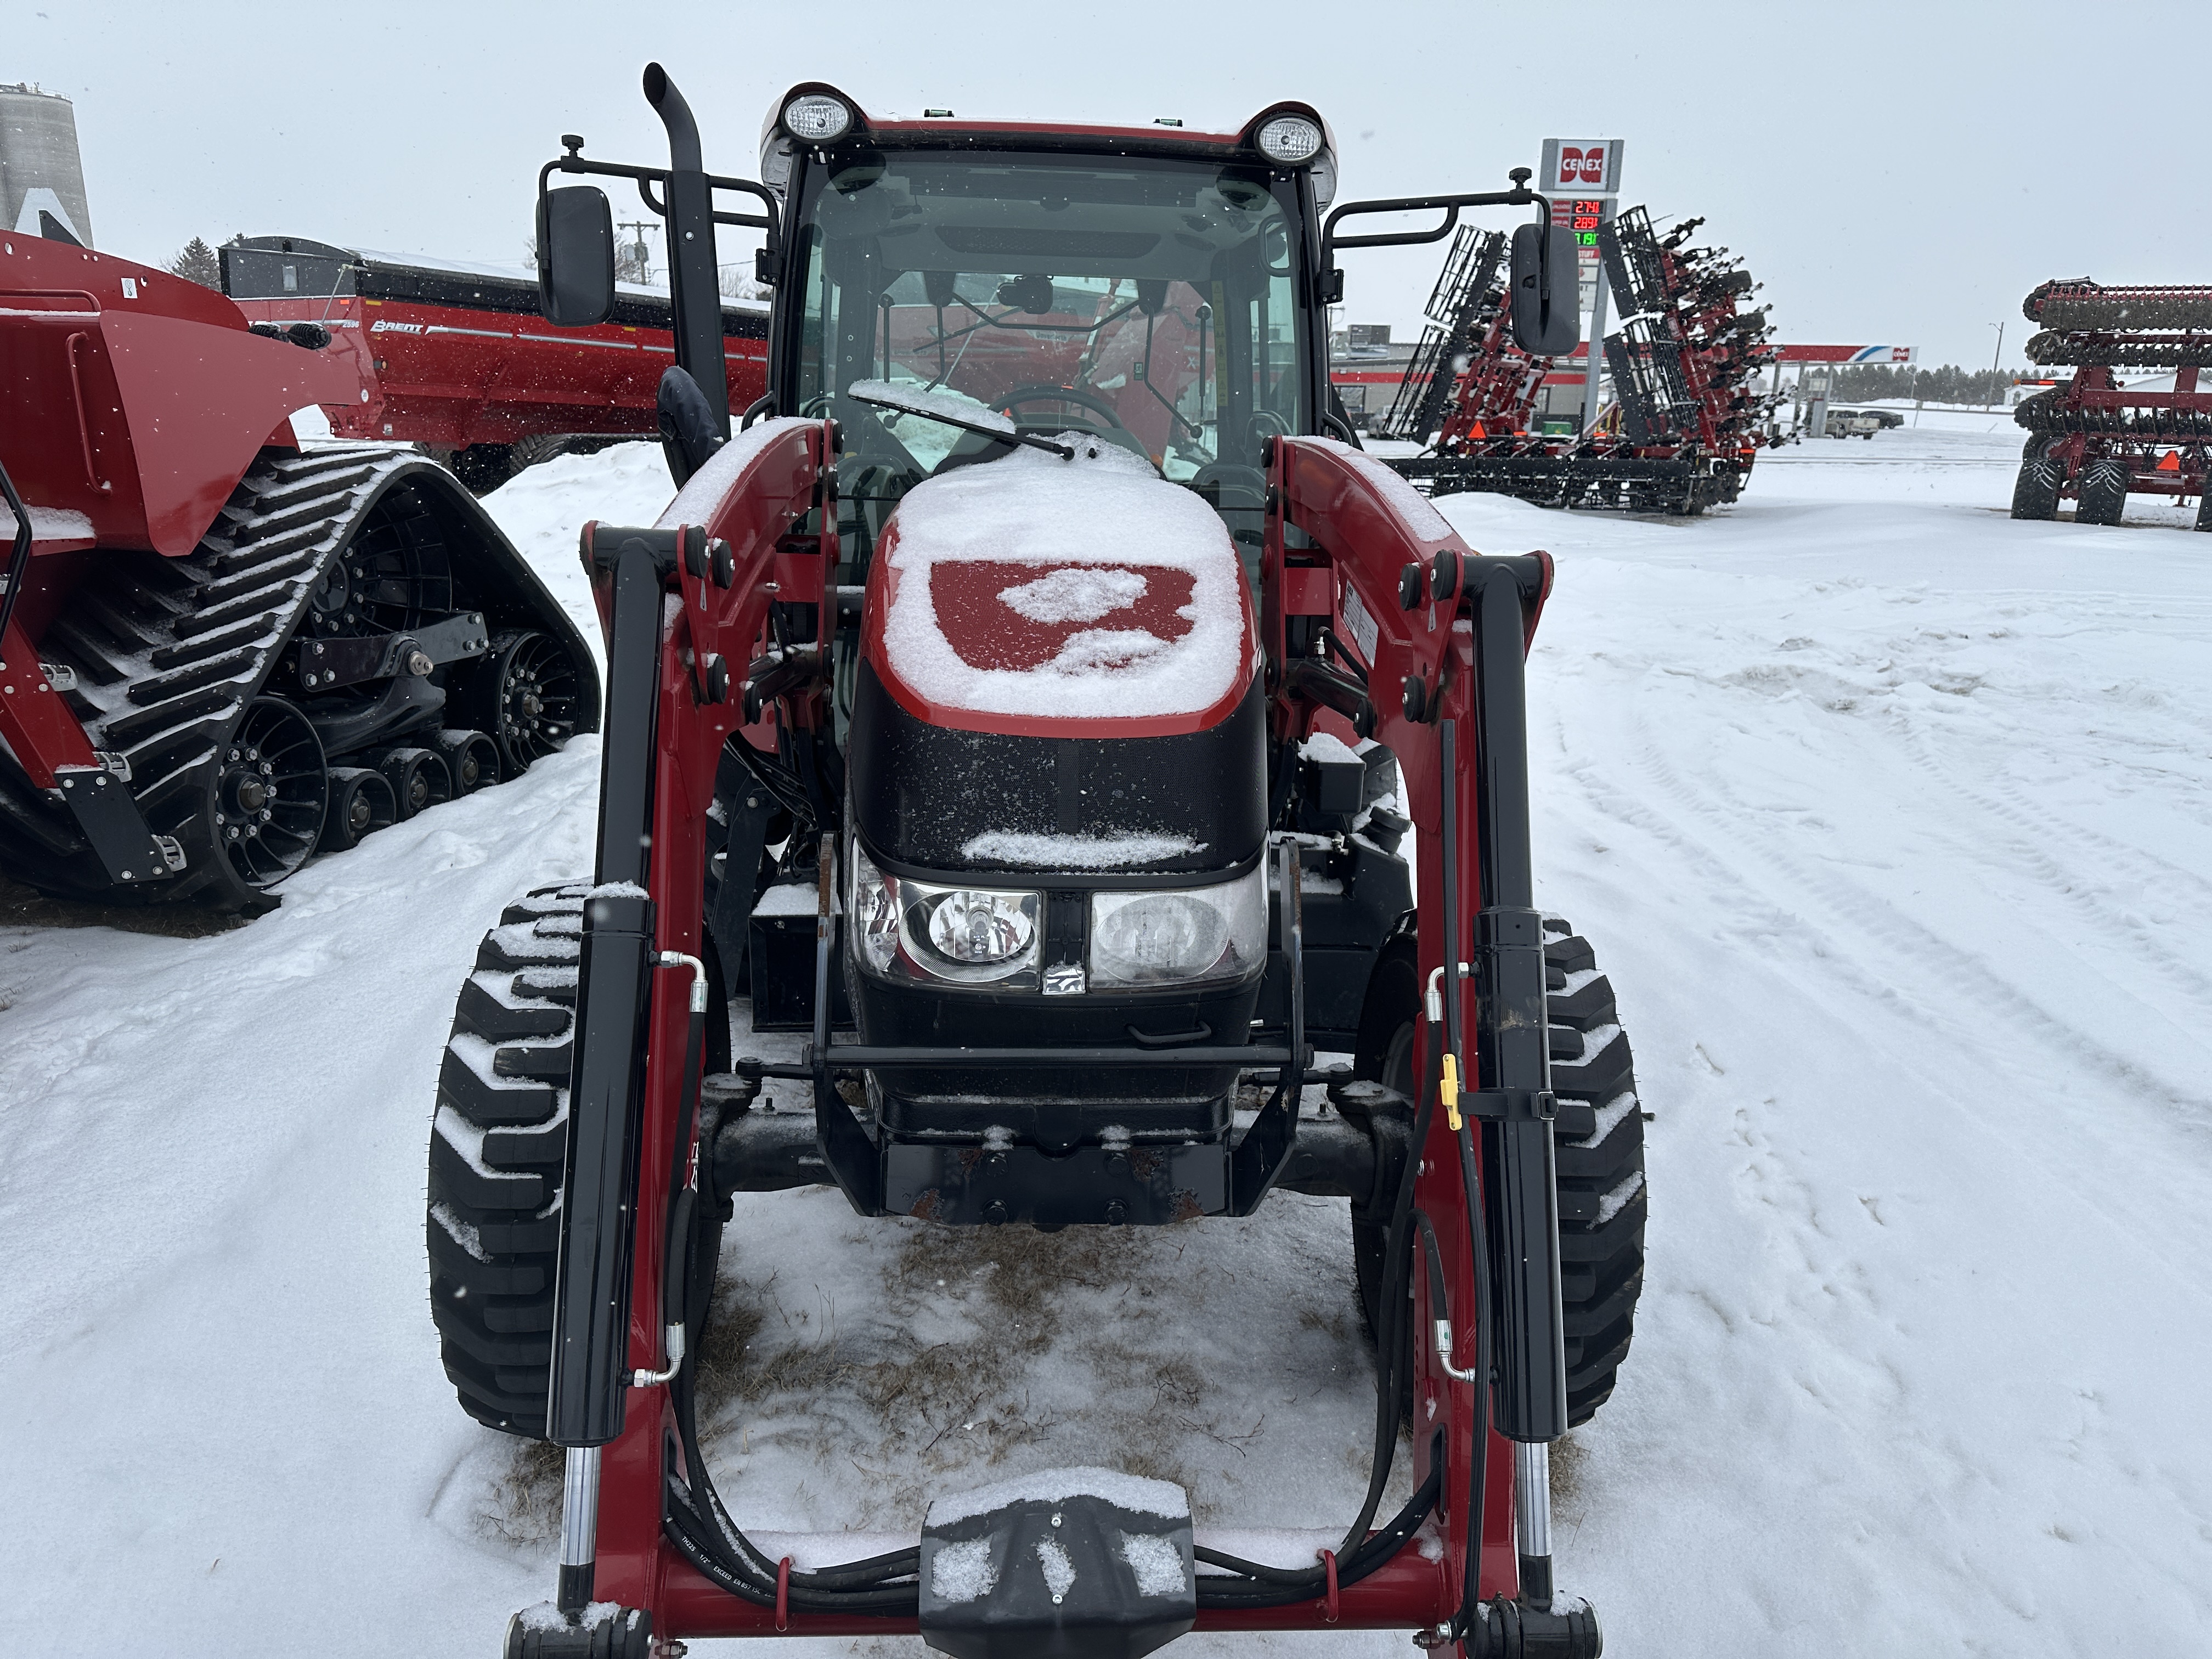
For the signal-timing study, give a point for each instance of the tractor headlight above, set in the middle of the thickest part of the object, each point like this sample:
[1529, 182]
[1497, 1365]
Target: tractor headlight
[1180, 938]
[974, 927]
[1290, 138]
[816, 118]
[958, 935]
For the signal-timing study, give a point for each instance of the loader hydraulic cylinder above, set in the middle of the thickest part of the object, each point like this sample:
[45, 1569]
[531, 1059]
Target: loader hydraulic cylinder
[590, 1308]
[1513, 1075]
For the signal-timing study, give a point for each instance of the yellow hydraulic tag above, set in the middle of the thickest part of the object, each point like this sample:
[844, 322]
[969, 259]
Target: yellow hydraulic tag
[1450, 1090]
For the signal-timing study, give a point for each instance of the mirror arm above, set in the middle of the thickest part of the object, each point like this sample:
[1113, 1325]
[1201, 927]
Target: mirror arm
[1330, 242]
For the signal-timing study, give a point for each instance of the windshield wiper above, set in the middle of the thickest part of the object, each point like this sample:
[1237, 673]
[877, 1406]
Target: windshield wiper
[935, 406]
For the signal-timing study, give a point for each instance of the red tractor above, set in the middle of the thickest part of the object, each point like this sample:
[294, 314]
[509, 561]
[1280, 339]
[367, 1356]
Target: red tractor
[1042, 652]
[220, 652]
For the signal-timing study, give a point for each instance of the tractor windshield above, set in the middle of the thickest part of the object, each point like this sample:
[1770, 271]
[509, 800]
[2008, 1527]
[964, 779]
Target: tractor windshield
[1148, 300]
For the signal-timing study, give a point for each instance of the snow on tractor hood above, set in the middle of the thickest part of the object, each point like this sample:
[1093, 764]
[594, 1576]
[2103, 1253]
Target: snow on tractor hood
[1030, 594]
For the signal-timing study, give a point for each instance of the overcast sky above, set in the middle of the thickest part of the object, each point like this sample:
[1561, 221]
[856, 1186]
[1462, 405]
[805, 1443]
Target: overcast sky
[1894, 173]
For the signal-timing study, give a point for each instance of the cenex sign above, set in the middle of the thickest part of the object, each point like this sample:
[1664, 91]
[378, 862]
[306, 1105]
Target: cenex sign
[1583, 167]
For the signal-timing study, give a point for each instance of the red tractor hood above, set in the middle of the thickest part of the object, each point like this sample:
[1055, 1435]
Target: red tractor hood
[1040, 597]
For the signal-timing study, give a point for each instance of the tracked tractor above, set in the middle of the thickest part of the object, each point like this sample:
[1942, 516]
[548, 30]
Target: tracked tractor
[220, 652]
[1020, 701]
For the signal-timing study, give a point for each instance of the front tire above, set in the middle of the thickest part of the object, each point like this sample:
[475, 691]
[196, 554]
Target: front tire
[1599, 1139]
[496, 1146]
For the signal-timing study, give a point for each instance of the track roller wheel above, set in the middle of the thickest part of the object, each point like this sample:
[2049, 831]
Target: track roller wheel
[472, 759]
[522, 694]
[1599, 1133]
[418, 778]
[2103, 494]
[2035, 494]
[272, 790]
[362, 803]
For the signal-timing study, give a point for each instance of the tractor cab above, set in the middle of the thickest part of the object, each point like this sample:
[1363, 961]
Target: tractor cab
[1151, 288]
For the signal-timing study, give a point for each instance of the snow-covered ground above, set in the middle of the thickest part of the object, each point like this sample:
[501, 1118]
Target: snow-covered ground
[1891, 820]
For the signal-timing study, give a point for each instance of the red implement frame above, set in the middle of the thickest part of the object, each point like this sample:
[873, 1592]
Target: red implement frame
[1340, 531]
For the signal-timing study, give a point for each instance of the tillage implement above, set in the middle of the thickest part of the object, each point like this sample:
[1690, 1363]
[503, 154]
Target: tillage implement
[1034, 650]
[222, 651]
[2098, 437]
[1688, 414]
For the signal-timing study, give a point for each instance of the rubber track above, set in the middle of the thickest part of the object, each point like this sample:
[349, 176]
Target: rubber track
[1600, 1170]
[495, 1150]
[169, 651]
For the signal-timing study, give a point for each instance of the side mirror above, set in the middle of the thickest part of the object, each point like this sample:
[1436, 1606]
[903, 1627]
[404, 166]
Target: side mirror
[1547, 300]
[576, 256]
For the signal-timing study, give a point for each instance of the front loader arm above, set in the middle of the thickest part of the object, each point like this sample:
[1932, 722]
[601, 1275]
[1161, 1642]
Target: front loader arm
[1440, 634]
[686, 605]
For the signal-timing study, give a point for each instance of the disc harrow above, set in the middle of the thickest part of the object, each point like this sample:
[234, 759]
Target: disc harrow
[2095, 440]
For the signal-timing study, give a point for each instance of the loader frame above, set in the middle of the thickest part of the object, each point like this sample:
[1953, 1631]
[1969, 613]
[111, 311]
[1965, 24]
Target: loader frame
[1449, 629]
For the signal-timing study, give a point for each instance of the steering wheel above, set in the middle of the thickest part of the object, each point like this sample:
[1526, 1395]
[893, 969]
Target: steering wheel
[1059, 394]
[1265, 424]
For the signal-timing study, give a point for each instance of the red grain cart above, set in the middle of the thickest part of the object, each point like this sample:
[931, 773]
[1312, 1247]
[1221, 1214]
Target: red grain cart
[459, 361]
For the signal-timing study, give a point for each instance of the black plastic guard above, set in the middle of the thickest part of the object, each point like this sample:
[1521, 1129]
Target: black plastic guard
[1072, 1578]
[1146, 1185]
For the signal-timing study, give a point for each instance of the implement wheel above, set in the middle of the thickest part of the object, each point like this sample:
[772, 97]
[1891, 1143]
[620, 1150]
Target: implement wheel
[2035, 494]
[1599, 1134]
[2103, 493]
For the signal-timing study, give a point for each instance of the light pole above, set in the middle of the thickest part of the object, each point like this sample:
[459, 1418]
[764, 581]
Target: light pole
[1995, 358]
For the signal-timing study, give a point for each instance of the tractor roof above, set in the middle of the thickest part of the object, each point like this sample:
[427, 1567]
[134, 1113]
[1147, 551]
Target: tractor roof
[945, 130]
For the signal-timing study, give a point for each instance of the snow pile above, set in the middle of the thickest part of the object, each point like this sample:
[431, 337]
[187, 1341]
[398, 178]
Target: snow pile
[1056, 852]
[1063, 545]
[1074, 594]
[1059, 1566]
[963, 1571]
[1422, 519]
[48, 523]
[1132, 1492]
[1156, 1562]
[696, 502]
